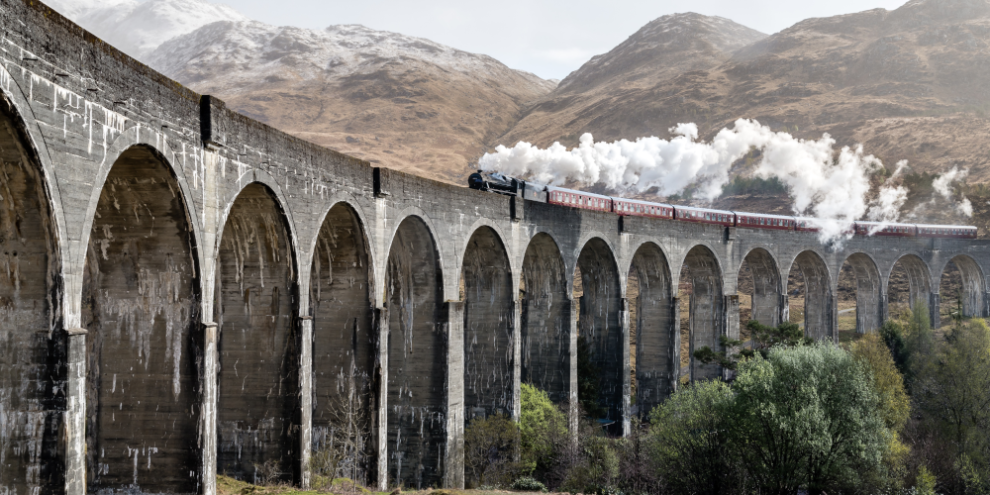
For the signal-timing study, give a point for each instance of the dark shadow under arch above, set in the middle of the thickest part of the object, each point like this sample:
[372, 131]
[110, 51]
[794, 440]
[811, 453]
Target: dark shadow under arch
[141, 306]
[257, 412]
[546, 314]
[962, 288]
[488, 321]
[344, 345]
[600, 329]
[909, 283]
[809, 290]
[32, 346]
[868, 285]
[759, 281]
[652, 334]
[701, 284]
[417, 358]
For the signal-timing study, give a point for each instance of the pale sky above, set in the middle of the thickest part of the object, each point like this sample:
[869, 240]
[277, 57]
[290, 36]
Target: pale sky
[549, 38]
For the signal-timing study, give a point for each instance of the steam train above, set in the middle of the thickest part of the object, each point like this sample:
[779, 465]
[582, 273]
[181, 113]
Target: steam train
[503, 184]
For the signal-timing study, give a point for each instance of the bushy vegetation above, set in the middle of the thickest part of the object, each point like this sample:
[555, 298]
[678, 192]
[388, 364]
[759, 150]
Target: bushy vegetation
[754, 185]
[903, 411]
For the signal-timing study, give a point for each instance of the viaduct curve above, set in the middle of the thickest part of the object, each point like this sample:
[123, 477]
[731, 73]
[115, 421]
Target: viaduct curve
[185, 291]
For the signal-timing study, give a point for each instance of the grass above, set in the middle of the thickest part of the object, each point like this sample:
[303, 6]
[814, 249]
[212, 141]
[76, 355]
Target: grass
[339, 486]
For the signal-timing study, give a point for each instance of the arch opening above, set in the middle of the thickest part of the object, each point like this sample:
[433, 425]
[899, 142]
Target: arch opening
[32, 342]
[651, 329]
[546, 313]
[859, 296]
[909, 284]
[961, 290]
[601, 361]
[258, 403]
[344, 345]
[417, 359]
[701, 298]
[141, 308]
[759, 290]
[809, 296]
[488, 320]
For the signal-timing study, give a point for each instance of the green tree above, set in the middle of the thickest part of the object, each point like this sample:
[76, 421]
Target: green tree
[952, 390]
[490, 447]
[806, 418]
[690, 444]
[764, 338]
[541, 424]
[894, 403]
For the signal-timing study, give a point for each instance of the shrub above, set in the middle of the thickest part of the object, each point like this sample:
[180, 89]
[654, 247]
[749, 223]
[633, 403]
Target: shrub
[597, 471]
[490, 447]
[690, 443]
[806, 418]
[528, 484]
[542, 425]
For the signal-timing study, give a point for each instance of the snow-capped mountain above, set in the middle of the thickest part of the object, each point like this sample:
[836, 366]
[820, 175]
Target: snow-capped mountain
[138, 27]
[400, 101]
[248, 54]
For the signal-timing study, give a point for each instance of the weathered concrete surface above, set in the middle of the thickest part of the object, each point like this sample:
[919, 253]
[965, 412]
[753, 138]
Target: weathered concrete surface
[140, 308]
[258, 396]
[255, 231]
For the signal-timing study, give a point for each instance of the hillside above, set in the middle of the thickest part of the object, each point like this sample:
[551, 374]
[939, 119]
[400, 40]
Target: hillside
[395, 100]
[909, 84]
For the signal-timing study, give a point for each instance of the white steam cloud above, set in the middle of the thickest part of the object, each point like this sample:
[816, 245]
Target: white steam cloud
[833, 188]
[943, 186]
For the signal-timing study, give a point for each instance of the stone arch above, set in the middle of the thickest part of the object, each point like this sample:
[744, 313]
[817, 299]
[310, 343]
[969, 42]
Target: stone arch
[970, 289]
[600, 333]
[706, 308]
[910, 271]
[809, 277]
[393, 230]
[140, 305]
[652, 327]
[417, 357]
[488, 326]
[344, 341]
[253, 179]
[869, 311]
[256, 304]
[760, 279]
[546, 319]
[32, 340]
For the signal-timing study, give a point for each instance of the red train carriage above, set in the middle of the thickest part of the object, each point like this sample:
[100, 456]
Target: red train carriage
[633, 207]
[889, 229]
[578, 199]
[957, 231]
[703, 215]
[762, 221]
[804, 224]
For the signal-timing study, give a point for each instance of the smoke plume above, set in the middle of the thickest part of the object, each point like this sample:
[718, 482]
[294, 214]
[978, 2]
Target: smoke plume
[832, 187]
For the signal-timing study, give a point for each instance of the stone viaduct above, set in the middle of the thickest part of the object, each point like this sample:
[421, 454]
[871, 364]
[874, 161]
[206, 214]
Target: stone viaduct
[185, 291]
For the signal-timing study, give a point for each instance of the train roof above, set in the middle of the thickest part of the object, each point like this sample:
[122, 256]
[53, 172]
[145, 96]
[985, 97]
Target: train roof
[575, 191]
[926, 226]
[708, 210]
[887, 224]
[763, 215]
[640, 202]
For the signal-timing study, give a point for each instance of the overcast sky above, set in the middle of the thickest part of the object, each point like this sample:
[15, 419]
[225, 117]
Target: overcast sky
[550, 38]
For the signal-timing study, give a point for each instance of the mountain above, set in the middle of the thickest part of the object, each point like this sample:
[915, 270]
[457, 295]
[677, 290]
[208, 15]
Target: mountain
[395, 100]
[659, 52]
[908, 84]
[137, 28]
